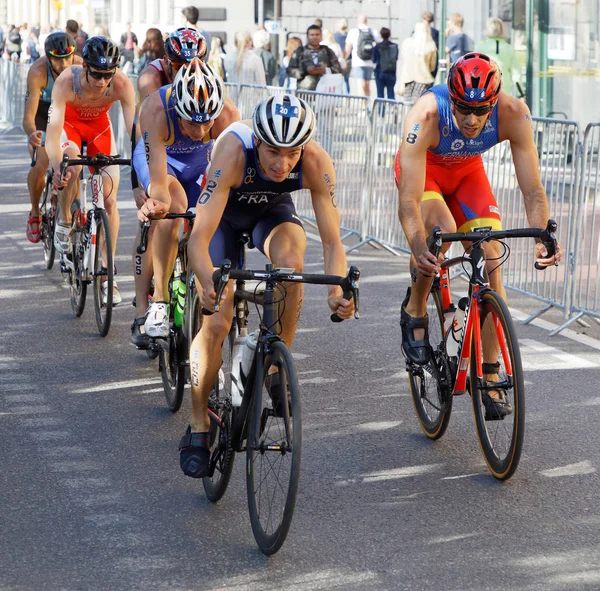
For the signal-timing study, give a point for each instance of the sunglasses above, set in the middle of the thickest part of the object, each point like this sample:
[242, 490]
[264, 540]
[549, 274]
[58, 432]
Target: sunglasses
[101, 76]
[477, 111]
[56, 53]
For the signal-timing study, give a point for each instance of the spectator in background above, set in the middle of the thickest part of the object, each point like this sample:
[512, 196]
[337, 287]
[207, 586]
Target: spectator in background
[496, 46]
[419, 59]
[457, 42]
[309, 63]
[427, 16]
[319, 23]
[385, 58]
[78, 34]
[243, 66]
[128, 45]
[216, 58]
[261, 41]
[32, 47]
[329, 40]
[13, 43]
[284, 80]
[152, 49]
[359, 47]
[340, 35]
[191, 15]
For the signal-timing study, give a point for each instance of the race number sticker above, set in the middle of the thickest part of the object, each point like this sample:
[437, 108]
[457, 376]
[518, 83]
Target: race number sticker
[288, 112]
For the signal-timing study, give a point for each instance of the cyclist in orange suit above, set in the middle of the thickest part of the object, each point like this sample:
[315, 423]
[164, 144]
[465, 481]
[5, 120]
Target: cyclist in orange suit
[441, 182]
[81, 99]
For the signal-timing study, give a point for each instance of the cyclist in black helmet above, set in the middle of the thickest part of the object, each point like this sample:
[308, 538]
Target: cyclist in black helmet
[81, 100]
[59, 50]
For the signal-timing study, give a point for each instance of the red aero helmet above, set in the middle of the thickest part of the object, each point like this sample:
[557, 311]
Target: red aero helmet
[474, 80]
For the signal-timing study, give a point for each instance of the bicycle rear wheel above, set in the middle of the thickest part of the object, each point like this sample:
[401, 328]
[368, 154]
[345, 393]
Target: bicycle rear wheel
[430, 384]
[501, 440]
[273, 454]
[48, 211]
[219, 402]
[102, 273]
[77, 274]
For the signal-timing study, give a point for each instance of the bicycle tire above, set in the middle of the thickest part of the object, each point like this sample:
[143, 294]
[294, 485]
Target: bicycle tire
[48, 211]
[77, 275]
[430, 384]
[221, 451]
[100, 273]
[270, 525]
[172, 370]
[501, 441]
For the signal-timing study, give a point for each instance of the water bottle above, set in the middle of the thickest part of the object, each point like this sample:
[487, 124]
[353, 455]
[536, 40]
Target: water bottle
[453, 333]
[248, 354]
[237, 389]
[178, 294]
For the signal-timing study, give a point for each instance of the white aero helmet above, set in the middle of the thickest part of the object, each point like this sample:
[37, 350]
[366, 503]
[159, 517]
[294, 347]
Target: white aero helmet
[198, 93]
[284, 121]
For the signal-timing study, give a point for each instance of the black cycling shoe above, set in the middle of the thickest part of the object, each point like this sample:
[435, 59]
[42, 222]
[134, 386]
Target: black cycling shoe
[276, 392]
[495, 408]
[194, 453]
[138, 338]
[418, 352]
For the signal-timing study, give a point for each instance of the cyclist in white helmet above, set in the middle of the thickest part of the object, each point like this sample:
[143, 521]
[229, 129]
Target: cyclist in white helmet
[179, 124]
[255, 166]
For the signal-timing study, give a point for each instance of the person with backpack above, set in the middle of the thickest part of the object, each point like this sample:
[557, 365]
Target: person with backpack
[13, 42]
[458, 43]
[359, 46]
[385, 58]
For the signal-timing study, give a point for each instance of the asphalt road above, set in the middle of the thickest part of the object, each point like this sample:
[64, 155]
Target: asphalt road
[92, 496]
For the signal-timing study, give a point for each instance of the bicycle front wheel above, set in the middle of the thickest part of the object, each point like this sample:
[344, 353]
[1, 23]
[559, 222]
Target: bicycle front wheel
[77, 273]
[273, 452]
[430, 384]
[501, 439]
[219, 402]
[48, 211]
[103, 272]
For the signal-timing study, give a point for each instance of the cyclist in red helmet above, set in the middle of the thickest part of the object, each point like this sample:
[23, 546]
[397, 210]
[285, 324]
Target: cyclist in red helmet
[441, 182]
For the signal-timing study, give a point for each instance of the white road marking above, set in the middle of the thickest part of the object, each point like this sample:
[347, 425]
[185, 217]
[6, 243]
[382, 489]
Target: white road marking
[317, 380]
[577, 469]
[540, 356]
[116, 386]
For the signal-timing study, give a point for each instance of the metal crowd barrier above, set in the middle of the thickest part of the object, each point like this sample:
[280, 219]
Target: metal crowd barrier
[363, 140]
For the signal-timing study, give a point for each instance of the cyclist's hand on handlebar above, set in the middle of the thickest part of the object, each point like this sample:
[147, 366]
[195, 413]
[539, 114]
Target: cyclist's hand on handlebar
[541, 255]
[140, 197]
[35, 139]
[65, 179]
[341, 306]
[427, 264]
[153, 209]
[207, 298]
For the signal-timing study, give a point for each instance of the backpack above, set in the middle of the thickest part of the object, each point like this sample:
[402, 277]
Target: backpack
[364, 47]
[388, 53]
[15, 37]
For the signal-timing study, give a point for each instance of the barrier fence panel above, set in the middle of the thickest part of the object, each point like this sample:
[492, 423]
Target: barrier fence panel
[343, 125]
[386, 133]
[249, 95]
[556, 141]
[585, 289]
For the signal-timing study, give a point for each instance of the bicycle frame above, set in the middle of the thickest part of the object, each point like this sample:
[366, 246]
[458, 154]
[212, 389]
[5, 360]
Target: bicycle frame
[471, 329]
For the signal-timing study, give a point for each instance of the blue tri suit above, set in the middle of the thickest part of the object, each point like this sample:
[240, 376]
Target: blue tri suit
[187, 159]
[256, 206]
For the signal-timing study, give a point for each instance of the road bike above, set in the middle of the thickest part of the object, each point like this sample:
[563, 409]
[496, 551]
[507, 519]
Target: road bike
[172, 351]
[485, 344]
[90, 259]
[269, 431]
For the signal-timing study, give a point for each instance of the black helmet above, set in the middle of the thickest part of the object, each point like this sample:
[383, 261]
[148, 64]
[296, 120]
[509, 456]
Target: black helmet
[59, 45]
[101, 53]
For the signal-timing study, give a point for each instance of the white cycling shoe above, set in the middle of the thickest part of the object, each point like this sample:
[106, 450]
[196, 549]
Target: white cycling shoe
[116, 299]
[157, 320]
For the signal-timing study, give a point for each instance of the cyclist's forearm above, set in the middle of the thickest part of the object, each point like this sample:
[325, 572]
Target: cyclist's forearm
[334, 263]
[536, 207]
[412, 225]
[200, 261]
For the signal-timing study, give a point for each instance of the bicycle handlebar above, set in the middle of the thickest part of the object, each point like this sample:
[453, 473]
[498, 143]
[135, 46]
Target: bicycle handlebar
[546, 235]
[98, 161]
[145, 228]
[349, 284]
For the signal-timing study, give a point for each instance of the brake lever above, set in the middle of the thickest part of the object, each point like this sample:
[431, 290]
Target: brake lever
[144, 231]
[220, 279]
[350, 291]
[549, 241]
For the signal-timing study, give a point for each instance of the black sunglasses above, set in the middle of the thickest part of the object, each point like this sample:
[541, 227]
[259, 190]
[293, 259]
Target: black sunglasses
[100, 75]
[477, 111]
